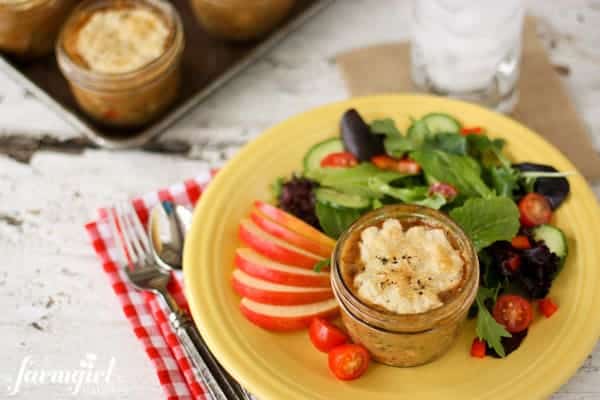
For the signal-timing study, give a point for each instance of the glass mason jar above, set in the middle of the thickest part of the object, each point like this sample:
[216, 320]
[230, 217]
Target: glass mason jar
[240, 19]
[28, 28]
[468, 49]
[130, 98]
[404, 340]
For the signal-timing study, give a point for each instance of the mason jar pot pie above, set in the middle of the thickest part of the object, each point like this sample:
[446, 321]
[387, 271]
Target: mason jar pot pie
[404, 277]
[122, 59]
[240, 19]
[28, 28]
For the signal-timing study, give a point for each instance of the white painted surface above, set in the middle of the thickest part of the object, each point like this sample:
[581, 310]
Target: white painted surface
[49, 257]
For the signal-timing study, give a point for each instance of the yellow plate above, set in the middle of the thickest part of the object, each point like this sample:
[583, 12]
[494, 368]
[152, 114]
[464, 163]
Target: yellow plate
[286, 366]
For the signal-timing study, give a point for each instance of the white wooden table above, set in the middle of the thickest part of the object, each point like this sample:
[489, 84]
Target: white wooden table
[55, 301]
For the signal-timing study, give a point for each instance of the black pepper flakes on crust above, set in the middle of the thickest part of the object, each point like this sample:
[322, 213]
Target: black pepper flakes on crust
[384, 260]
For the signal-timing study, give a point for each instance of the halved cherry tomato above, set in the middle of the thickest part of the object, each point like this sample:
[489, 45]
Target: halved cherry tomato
[534, 210]
[445, 189]
[349, 361]
[513, 262]
[547, 307]
[325, 336]
[474, 130]
[478, 348]
[405, 165]
[341, 159]
[520, 242]
[514, 312]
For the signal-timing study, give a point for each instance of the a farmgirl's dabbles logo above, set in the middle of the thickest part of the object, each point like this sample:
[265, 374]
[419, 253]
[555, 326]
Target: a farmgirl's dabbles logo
[89, 375]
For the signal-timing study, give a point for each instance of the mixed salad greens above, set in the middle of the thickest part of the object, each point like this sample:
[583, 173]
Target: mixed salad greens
[504, 208]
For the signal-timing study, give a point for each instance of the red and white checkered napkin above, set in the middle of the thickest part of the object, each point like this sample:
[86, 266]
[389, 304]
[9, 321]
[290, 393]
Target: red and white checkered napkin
[145, 314]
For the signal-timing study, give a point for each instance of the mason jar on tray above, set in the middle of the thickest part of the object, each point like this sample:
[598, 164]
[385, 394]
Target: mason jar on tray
[241, 19]
[122, 59]
[28, 28]
[403, 339]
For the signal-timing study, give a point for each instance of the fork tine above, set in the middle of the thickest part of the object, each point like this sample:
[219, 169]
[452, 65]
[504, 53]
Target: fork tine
[118, 237]
[137, 236]
[142, 234]
[129, 236]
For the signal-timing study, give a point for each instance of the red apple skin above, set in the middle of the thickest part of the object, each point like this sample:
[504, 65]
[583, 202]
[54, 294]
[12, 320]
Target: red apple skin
[293, 223]
[279, 297]
[290, 236]
[257, 266]
[281, 324]
[266, 245]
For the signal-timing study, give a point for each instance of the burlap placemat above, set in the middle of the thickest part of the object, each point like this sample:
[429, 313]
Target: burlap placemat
[544, 105]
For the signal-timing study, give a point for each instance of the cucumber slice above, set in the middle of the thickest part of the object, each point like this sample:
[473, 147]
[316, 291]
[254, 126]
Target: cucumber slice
[441, 123]
[554, 238]
[336, 199]
[312, 159]
[418, 131]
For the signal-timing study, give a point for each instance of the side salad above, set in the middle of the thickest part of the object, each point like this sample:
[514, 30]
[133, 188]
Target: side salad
[504, 207]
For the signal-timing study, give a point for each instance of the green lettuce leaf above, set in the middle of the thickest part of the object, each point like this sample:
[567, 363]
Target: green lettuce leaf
[353, 180]
[462, 172]
[319, 265]
[487, 151]
[487, 328]
[486, 221]
[418, 195]
[334, 221]
[504, 180]
[448, 142]
[398, 146]
[385, 126]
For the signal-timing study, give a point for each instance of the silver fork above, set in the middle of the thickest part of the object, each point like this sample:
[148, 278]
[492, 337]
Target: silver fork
[145, 274]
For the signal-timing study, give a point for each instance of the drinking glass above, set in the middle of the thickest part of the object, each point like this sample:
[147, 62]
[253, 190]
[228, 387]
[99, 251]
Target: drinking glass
[468, 49]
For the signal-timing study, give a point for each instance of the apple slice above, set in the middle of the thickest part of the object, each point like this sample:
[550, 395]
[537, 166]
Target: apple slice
[286, 318]
[290, 236]
[293, 223]
[274, 248]
[261, 267]
[273, 293]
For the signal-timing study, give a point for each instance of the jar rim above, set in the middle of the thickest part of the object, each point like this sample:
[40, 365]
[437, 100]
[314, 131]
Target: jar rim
[21, 5]
[416, 322]
[237, 2]
[87, 77]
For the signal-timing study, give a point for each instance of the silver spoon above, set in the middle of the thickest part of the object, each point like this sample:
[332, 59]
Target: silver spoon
[168, 254]
[167, 236]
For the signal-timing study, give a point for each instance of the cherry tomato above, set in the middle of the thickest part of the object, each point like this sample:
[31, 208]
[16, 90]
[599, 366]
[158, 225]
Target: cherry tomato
[408, 166]
[325, 336]
[384, 162]
[405, 165]
[514, 312]
[445, 189]
[547, 307]
[474, 130]
[478, 348]
[341, 159]
[520, 242]
[513, 262]
[349, 361]
[534, 210]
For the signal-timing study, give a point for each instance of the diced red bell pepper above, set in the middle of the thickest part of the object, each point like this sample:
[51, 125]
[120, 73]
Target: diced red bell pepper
[513, 262]
[478, 348]
[547, 307]
[342, 159]
[404, 166]
[521, 242]
[473, 130]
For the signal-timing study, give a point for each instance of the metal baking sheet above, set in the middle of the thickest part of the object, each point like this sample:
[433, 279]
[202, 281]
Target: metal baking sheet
[200, 78]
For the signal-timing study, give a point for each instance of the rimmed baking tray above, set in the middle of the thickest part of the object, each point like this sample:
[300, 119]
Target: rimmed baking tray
[206, 65]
